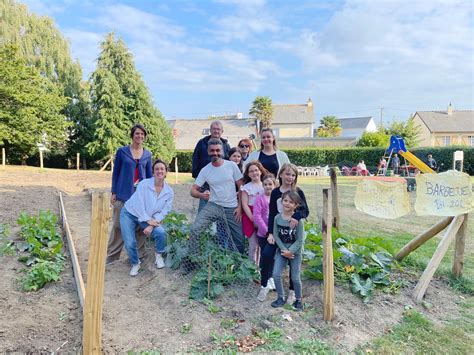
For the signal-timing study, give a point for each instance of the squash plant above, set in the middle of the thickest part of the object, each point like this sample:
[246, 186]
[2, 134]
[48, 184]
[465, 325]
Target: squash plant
[363, 262]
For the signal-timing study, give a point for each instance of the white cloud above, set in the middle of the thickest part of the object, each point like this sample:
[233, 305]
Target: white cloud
[137, 23]
[251, 17]
[167, 57]
[375, 53]
[45, 7]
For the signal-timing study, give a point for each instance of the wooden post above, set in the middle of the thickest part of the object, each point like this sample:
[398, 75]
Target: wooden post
[106, 164]
[209, 278]
[78, 161]
[459, 248]
[3, 157]
[92, 332]
[441, 250]
[41, 158]
[176, 169]
[76, 267]
[328, 262]
[336, 219]
[420, 239]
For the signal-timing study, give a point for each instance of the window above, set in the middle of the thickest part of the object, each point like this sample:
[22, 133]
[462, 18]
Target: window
[446, 141]
[205, 131]
[470, 141]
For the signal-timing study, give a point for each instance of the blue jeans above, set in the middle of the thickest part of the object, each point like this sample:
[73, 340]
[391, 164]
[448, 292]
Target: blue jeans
[295, 267]
[128, 224]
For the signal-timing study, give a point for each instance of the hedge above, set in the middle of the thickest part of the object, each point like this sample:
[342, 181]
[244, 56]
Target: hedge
[351, 156]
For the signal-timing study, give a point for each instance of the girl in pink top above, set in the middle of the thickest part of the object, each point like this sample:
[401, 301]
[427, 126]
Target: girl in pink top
[250, 190]
[261, 209]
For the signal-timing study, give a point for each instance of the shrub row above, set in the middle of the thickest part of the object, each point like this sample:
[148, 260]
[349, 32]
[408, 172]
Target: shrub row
[351, 156]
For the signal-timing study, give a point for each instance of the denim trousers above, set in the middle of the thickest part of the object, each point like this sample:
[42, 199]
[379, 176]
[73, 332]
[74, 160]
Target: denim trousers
[224, 216]
[267, 259]
[295, 268]
[128, 224]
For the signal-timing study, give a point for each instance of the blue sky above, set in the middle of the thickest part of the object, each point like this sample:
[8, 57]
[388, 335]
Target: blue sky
[202, 58]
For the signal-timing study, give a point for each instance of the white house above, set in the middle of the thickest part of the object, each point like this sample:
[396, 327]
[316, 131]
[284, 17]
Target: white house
[354, 126]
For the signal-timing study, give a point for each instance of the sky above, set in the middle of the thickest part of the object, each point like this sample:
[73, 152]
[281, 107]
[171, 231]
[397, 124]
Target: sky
[381, 58]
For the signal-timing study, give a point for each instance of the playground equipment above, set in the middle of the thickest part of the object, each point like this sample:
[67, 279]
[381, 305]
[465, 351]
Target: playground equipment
[397, 145]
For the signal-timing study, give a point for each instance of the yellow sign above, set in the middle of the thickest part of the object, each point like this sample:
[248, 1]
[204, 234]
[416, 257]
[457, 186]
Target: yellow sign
[382, 197]
[444, 194]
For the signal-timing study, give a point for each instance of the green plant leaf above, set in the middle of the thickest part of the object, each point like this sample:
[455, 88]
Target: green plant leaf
[363, 288]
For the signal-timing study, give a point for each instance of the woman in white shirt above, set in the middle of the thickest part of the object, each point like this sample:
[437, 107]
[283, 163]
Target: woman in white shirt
[146, 209]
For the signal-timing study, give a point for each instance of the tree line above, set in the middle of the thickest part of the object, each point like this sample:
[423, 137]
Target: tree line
[44, 100]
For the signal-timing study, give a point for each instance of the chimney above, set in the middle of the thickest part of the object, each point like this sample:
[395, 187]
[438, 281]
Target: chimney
[450, 110]
[310, 102]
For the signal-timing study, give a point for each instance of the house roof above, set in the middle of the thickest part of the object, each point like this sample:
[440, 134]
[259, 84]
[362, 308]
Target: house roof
[284, 114]
[355, 122]
[187, 132]
[441, 121]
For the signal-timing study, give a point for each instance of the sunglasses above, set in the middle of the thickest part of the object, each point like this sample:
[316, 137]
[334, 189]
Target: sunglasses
[244, 146]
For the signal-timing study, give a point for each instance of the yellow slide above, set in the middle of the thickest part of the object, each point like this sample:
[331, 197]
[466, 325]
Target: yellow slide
[416, 162]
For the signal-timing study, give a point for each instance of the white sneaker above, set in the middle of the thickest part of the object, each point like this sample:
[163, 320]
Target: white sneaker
[262, 295]
[159, 262]
[291, 297]
[135, 269]
[271, 284]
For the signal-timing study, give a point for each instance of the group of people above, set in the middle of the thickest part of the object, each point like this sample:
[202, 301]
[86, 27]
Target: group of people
[248, 194]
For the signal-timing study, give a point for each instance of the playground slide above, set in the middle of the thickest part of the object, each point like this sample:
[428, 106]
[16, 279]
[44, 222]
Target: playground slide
[416, 162]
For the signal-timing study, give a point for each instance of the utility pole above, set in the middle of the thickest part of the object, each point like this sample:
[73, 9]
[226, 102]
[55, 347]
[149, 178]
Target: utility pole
[381, 116]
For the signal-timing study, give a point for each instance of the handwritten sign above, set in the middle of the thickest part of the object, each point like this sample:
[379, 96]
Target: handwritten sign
[382, 197]
[444, 194]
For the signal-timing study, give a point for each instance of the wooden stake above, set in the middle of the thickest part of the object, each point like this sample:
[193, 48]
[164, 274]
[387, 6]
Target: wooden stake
[105, 165]
[76, 267]
[209, 278]
[420, 239]
[78, 161]
[4, 158]
[176, 169]
[459, 248]
[441, 250]
[41, 159]
[336, 219]
[92, 333]
[328, 262]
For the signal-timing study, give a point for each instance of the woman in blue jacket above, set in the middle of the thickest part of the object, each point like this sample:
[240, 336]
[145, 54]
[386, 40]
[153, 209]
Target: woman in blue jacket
[132, 164]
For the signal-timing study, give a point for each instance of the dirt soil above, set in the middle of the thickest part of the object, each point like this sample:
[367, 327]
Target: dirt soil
[152, 310]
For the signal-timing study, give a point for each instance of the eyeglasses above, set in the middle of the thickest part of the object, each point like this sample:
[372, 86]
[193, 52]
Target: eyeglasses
[244, 146]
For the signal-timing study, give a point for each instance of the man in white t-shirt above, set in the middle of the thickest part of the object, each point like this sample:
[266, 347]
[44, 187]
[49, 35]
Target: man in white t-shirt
[222, 176]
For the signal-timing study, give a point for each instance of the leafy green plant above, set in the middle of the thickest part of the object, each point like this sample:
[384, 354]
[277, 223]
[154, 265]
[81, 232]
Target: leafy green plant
[42, 245]
[211, 306]
[363, 262]
[6, 245]
[41, 273]
[41, 236]
[226, 267]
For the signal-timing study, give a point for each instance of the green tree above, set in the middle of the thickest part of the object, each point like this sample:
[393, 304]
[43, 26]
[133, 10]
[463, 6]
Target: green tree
[407, 130]
[120, 99]
[330, 127]
[30, 107]
[374, 139]
[262, 110]
[44, 47]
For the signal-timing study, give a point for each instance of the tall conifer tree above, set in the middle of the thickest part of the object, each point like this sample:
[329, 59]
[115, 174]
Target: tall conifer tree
[120, 99]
